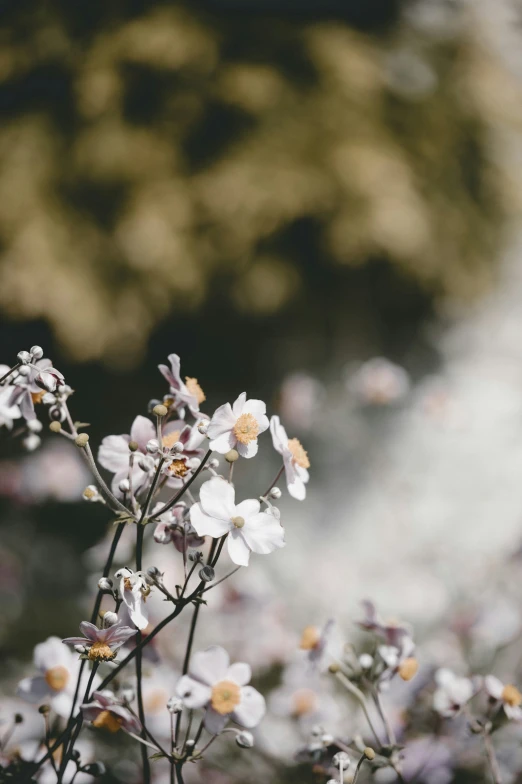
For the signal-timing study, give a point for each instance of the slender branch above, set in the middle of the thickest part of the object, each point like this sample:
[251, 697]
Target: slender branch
[15, 367]
[387, 725]
[492, 759]
[222, 579]
[186, 660]
[182, 489]
[274, 481]
[140, 530]
[359, 696]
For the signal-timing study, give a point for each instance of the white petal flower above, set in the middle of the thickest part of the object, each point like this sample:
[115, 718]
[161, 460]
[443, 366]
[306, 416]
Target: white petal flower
[452, 693]
[295, 459]
[134, 591]
[238, 426]
[8, 411]
[508, 695]
[249, 529]
[222, 689]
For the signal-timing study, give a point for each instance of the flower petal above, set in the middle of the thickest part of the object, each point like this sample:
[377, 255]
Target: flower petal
[222, 420]
[238, 548]
[33, 689]
[210, 665]
[247, 508]
[263, 533]
[206, 525]
[223, 443]
[214, 721]
[193, 693]
[257, 408]
[142, 430]
[52, 653]
[279, 436]
[247, 450]
[240, 673]
[238, 405]
[113, 453]
[89, 630]
[493, 686]
[251, 709]
[217, 498]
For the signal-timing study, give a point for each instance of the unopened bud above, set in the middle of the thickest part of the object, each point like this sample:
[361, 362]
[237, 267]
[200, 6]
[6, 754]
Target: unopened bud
[196, 555]
[127, 694]
[36, 352]
[153, 571]
[408, 668]
[151, 405]
[105, 583]
[44, 709]
[75, 755]
[333, 668]
[341, 760]
[369, 753]
[24, 357]
[110, 619]
[175, 705]
[275, 493]
[18, 718]
[160, 410]
[124, 486]
[206, 574]
[24, 371]
[32, 442]
[35, 426]
[202, 428]
[245, 739]
[214, 463]
[133, 446]
[145, 463]
[94, 769]
[232, 455]
[365, 661]
[82, 440]
[152, 446]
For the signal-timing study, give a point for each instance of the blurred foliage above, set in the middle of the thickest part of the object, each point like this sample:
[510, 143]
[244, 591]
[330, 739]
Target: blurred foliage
[147, 153]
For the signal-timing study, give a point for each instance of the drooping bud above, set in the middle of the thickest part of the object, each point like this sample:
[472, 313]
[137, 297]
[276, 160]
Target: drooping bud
[124, 486]
[24, 357]
[207, 574]
[82, 440]
[245, 739]
[214, 463]
[153, 571]
[110, 619]
[275, 493]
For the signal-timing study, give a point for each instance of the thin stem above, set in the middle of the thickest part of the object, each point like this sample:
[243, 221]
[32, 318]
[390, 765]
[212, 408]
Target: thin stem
[182, 489]
[362, 759]
[222, 579]
[152, 490]
[186, 660]
[198, 733]
[274, 481]
[67, 752]
[219, 549]
[140, 530]
[143, 742]
[359, 696]
[179, 774]
[6, 375]
[111, 499]
[492, 759]
[392, 740]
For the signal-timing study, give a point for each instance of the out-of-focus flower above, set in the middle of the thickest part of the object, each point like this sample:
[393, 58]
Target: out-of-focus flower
[452, 692]
[399, 659]
[301, 400]
[249, 529]
[430, 757]
[101, 644]
[55, 682]
[114, 453]
[392, 633]
[321, 645]
[107, 712]
[172, 527]
[188, 393]
[134, 590]
[238, 426]
[507, 695]
[379, 382]
[220, 687]
[295, 459]
[8, 411]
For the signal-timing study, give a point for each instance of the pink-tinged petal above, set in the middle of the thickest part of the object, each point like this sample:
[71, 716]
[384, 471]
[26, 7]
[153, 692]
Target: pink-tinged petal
[179, 425]
[223, 443]
[206, 525]
[493, 686]
[239, 403]
[33, 689]
[257, 408]
[119, 634]
[193, 693]
[89, 630]
[263, 533]
[113, 453]
[247, 508]
[215, 722]
[210, 666]
[240, 673]
[76, 641]
[142, 430]
[104, 698]
[251, 709]
[247, 450]
[279, 436]
[128, 721]
[217, 498]
[237, 548]
[91, 711]
[222, 420]
[52, 653]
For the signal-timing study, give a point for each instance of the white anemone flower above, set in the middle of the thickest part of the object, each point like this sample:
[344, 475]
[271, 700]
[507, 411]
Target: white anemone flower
[220, 687]
[8, 411]
[249, 529]
[134, 590]
[508, 695]
[238, 426]
[295, 459]
[55, 682]
[452, 692]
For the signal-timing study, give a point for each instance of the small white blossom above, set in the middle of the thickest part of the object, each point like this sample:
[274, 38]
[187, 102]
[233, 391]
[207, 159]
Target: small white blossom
[238, 426]
[452, 692]
[134, 591]
[295, 459]
[508, 695]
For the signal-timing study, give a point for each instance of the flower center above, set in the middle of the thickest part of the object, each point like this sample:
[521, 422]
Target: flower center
[107, 721]
[170, 439]
[310, 638]
[300, 455]
[194, 389]
[100, 651]
[37, 397]
[57, 678]
[304, 701]
[127, 585]
[225, 696]
[408, 668]
[511, 695]
[246, 428]
[178, 468]
[238, 521]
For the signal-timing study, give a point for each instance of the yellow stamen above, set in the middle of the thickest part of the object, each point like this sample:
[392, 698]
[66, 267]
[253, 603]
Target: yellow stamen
[178, 468]
[408, 668]
[299, 454]
[37, 397]
[304, 701]
[107, 721]
[511, 695]
[225, 696]
[310, 638]
[238, 521]
[170, 439]
[100, 651]
[57, 678]
[246, 428]
[195, 390]
[127, 585]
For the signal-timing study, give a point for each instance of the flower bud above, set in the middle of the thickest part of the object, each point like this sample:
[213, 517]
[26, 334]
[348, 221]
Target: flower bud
[32, 442]
[175, 705]
[105, 583]
[177, 447]
[34, 425]
[127, 694]
[36, 352]
[206, 574]
[194, 462]
[75, 755]
[153, 571]
[202, 428]
[341, 760]
[333, 668]
[124, 486]
[18, 718]
[151, 405]
[160, 410]
[196, 555]
[110, 619]
[245, 739]
[214, 463]
[152, 446]
[24, 357]
[145, 463]
[94, 769]
[369, 753]
[82, 440]
[365, 661]
[43, 709]
[275, 493]
[24, 371]
[133, 446]
[232, 455]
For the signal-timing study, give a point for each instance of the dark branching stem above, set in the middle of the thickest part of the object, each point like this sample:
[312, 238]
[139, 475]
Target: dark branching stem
[139, 690]
[183, 489]
[6, 375]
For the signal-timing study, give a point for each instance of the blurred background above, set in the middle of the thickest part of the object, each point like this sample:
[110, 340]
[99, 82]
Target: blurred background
[317, 201]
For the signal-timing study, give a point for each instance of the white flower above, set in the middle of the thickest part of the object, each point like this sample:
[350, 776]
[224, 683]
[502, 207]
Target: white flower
[185, 394]
[295, 459]
[508, 695]
[220, 687]
[248, 529]
[452, 693]
[238, 426]
[8, 411]
[55, 683]
[379, 382]
[114, 454]
[134, 591]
